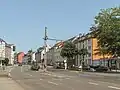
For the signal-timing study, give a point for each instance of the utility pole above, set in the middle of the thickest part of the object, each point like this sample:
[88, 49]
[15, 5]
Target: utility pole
[45, 50]
[45, 45]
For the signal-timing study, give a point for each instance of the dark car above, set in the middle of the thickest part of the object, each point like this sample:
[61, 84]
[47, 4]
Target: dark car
[101, 69]
[58, 65]
[35, 67]
[20, 64]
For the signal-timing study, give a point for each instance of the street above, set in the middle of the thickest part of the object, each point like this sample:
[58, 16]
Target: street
[38, 80]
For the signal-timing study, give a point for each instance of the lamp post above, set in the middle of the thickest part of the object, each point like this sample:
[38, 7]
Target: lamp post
[45, 44]
[45, 48]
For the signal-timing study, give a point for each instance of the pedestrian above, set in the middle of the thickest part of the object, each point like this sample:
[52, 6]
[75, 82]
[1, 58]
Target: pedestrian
[65, 63]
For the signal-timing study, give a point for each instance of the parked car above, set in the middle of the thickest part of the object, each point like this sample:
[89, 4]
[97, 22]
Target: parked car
[35, 67]
[58, 65]
[101, 69]
[20, 64]
[98, 68]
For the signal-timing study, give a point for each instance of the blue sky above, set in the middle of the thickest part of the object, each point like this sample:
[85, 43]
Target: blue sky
[22, 22]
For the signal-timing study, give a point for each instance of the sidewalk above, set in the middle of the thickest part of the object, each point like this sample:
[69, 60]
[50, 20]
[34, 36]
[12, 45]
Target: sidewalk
[9, 84]
[97, 73]
[5, 73]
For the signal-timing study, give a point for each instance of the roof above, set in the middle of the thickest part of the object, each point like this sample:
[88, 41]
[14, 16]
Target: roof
[1, 40]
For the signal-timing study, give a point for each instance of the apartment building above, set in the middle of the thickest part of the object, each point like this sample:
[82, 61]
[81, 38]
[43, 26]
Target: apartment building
[53, 55]
[50, 56]
[38, 54]
[90, 43]
[7, 51]
[84, 41]
[2, 50]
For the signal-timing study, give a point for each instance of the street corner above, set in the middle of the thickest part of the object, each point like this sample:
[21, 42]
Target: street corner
[11, 84]
[4, 75]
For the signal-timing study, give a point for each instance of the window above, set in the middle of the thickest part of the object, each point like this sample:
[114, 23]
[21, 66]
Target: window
[89, 54]
[89, 41]
[89, 47]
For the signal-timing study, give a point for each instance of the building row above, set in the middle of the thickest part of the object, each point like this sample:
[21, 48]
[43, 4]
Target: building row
[6, 51]
[83, 41]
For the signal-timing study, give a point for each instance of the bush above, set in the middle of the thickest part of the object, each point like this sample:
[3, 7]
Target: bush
[5, 62]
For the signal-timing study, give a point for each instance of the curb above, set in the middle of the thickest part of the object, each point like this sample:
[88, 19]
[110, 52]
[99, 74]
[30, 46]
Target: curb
[4, 75]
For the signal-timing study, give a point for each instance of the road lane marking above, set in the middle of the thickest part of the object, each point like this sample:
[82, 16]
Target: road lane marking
[41, 79]
[21, 69]
[9, 72]
[52, 83]
[67, 78]
[93, 83]
[103, 82]
[57, 79]
[114, 87]
[29, 74]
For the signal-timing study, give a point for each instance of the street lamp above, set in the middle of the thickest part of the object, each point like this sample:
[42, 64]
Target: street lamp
[45, 47]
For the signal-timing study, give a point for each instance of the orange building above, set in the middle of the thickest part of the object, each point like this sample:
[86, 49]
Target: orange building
[94, 48]
[20, 57]
[90, 43]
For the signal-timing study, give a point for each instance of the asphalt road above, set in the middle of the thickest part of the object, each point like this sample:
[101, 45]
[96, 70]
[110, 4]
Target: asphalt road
[103, 77]
[32, 80]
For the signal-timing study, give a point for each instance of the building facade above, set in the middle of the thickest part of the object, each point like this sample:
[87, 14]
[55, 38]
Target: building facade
[90, 43]
[38, 54]
[84, 42]
[2, 49]
[20, 57]
[8, 52]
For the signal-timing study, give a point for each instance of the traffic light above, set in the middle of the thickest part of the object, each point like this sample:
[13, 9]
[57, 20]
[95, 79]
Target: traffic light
[14, 48]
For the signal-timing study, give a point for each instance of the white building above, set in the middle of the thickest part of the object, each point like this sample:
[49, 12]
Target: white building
[43, 52]
[2, 50]
[33, 57]
[6, 51]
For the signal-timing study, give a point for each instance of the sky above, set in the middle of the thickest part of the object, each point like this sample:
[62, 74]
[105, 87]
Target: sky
[22, 22]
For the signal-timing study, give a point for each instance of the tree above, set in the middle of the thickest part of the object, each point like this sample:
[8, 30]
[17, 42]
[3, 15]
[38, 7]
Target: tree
[69, 51]
[107, 30]
[102, 52]
[6, 61]
[82, 52]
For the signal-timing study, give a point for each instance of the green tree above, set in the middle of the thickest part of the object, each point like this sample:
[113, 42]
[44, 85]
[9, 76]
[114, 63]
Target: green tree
[69, 51]
[107, 30]
[102, 52]
[6, 61]
[82, 52]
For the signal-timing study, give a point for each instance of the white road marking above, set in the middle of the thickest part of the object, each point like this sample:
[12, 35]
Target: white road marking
[9, 72]
[93, 83]
[52, 83]
[57, 79]
[114, 87]
[21, 69]
[29, 74]
[41, 79]
[67, 78]
[104, 82]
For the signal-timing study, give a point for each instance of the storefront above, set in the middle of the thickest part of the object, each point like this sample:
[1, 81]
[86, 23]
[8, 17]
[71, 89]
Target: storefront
[112, 63]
